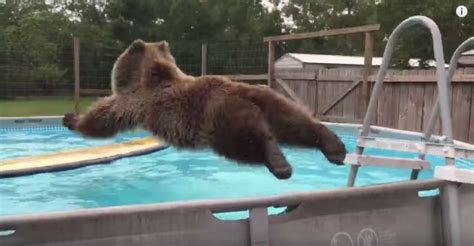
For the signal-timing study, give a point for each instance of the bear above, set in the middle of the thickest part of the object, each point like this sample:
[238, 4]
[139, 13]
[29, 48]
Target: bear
[241, 122]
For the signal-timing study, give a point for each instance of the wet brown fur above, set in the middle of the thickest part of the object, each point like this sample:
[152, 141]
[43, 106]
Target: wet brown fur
[239, 121]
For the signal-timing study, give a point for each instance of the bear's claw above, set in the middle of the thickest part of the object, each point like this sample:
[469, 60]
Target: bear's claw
[335, 152]
[282, 172]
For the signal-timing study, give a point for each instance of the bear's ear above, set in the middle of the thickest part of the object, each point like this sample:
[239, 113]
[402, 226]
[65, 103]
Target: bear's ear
[163, 46]
[137, 46]
[161, 73]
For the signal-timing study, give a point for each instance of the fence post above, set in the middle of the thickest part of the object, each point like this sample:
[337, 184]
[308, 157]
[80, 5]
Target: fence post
[203, 59]
[368, 54]
[271, 62]
[77, 86]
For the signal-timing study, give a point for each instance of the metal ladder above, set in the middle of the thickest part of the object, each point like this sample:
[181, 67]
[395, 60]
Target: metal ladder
[445, 147]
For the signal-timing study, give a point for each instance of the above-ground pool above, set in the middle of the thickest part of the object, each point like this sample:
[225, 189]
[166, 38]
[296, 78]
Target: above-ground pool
[169, 174]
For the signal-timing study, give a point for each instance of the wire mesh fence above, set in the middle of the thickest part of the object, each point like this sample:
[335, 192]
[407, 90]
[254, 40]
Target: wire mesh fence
[23, 75]
[244, 57]
[188, 57]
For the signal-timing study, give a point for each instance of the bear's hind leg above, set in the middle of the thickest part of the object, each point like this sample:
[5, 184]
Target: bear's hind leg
[241, 133]
[276, 160]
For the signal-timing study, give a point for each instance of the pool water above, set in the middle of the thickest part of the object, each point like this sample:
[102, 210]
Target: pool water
[15, 143]
[171, 175]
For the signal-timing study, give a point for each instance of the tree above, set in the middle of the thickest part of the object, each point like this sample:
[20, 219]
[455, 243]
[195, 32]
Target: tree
[310, 16]
[32, 45]
[414, 43]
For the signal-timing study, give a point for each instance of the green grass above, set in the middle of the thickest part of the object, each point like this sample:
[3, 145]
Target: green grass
[41, 106]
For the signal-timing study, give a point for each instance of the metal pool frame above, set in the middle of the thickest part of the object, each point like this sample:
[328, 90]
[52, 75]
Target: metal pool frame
[387, 214]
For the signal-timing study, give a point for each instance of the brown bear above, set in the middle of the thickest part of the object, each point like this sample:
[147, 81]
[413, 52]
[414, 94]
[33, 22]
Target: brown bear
[238, 121]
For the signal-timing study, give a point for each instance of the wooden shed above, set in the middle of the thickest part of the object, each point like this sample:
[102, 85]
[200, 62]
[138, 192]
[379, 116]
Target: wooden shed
[467, 59]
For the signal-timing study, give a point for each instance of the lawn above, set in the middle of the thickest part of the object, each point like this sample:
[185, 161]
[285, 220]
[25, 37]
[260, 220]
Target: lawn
[41, 106]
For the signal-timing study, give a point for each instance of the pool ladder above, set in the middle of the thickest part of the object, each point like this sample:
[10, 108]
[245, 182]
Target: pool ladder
[442, 147]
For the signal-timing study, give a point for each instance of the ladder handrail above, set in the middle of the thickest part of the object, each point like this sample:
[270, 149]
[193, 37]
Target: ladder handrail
[440, 73]
[444, 107]
[453, 64]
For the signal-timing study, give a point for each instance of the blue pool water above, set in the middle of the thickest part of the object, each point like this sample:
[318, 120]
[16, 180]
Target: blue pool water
[167, 175]
[34, 141]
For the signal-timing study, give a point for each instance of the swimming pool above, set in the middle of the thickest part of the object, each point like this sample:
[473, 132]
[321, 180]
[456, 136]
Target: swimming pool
[169, 175]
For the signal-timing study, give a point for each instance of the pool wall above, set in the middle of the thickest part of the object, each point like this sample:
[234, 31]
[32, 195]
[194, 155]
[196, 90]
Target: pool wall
[28, 122]
[385, 132]
[388, 214]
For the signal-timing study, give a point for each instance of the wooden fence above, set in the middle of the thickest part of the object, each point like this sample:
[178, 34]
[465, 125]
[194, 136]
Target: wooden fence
[406, 102]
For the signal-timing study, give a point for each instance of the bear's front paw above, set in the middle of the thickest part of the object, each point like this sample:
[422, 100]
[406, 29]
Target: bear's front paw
[70, 121]
[335, 152]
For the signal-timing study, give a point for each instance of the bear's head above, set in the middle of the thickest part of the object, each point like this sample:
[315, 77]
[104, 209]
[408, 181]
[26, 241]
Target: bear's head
[142, 64]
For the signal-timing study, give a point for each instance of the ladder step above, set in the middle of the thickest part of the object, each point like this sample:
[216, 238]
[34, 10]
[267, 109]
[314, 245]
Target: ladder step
[465, 153]
[451, 173]
[416, 147]
[364, 160]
